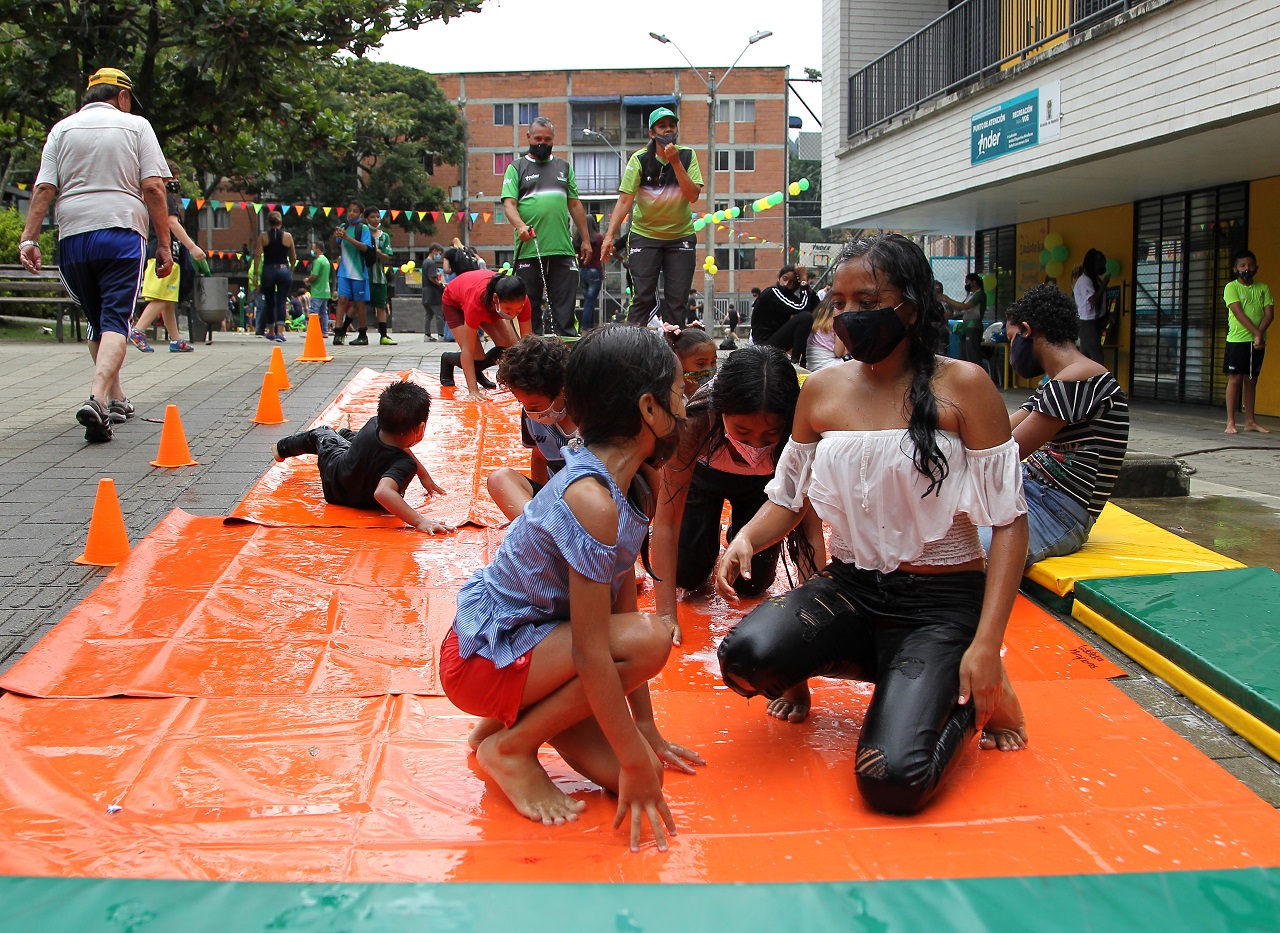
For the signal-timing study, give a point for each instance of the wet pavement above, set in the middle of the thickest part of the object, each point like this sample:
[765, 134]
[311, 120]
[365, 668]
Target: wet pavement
[50, 474]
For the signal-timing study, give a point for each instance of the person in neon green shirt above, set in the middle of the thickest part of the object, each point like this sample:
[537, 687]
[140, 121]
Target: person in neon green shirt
[318, 281]
[1251, 309]
[660, 183]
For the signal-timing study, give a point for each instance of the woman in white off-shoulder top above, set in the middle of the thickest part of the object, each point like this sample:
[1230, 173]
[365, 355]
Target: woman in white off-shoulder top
[902, 454]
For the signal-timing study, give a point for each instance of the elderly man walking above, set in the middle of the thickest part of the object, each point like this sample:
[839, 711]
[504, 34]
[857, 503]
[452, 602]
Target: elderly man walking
[539, 194]
[104, 167]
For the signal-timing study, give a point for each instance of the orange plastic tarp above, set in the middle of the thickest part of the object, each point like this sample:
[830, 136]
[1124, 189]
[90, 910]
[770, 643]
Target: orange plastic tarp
[464, 443]
[383, 789]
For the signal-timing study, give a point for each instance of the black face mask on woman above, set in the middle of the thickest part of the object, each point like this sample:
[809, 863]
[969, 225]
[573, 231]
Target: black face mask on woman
[871, 335]
[664, 448]
[1022, 358]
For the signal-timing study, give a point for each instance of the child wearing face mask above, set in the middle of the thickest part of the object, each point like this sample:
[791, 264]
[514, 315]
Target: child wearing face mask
[697, 353]
[534, 372]
[547, 645]
[737, 428]
[1072, 433]
[479, 300]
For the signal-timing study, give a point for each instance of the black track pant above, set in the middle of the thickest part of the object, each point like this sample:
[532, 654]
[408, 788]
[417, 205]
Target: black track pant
[700, 528]
[903, 632]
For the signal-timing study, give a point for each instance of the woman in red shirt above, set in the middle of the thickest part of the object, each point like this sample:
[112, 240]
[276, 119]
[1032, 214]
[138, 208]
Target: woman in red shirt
[494, 302]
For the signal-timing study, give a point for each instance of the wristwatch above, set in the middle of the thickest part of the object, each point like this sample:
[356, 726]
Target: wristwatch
[25, 243]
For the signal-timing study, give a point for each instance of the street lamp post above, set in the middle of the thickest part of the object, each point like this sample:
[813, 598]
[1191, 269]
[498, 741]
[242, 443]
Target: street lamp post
[713, 85]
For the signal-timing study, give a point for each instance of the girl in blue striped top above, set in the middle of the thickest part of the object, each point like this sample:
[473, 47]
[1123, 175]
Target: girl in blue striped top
[569, 557]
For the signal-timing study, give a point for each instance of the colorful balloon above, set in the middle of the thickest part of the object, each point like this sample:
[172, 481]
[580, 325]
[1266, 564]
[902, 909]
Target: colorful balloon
[713, 269]
[1052, 240]
[1054, 269]
[804, 184]
[794, 188]
[1113, 267]
[1060, 253]
[989, 281]
[1046, 257]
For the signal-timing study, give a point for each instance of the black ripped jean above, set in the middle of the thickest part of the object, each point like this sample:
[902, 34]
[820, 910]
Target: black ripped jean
[903, 632]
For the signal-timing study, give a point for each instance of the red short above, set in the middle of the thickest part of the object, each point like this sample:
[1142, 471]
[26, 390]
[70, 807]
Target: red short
[453, 315]
[475, 686]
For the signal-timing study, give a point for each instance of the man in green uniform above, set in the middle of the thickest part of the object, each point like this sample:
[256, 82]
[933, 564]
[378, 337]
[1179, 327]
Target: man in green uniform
[318, 282]
[539, 193]
[378, 272]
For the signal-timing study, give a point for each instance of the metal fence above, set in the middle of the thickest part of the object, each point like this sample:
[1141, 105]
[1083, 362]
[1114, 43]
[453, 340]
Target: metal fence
[972, 40]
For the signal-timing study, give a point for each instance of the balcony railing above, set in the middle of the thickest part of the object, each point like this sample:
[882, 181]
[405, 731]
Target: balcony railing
[975, 39]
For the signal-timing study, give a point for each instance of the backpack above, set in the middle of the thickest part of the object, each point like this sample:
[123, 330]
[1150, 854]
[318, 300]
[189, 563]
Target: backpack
[461, 260]
[370, 255]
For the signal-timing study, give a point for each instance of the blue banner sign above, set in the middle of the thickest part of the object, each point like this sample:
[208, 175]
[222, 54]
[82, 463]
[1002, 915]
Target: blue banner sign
[1005, 128]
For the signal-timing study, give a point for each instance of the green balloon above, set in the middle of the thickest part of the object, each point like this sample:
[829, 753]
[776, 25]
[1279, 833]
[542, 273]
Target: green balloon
[1046, 257]
[735, 212]
[506, 265]
[698, 225]
[804, 184]
[1113, 267]
[1060, 253]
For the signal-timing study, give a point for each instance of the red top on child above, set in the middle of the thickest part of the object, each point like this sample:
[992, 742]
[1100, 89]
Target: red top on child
[466, 292]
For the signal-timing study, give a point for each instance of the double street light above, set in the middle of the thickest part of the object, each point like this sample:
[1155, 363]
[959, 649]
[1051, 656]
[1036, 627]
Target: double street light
[713, 84]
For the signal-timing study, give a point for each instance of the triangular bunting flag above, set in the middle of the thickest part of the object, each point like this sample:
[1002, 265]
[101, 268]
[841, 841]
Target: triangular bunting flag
[435, 215]
[474, 215]
[270, 206]
[186, 202]
[257, 207]
[599, 217]
[382, 214]
[486, 215]
[229, 204]
[339, 210]
[395, 215]
[327, 211]
[244, 205]
[299, 208]
[22, 186]
[199, 204]
[448, 216]
[312, 211]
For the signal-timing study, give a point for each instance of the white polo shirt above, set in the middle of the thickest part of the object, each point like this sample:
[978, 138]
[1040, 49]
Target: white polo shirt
[97, 159]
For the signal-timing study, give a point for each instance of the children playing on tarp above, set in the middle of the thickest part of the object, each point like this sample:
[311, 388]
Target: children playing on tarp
[534, 372]
[569, 557]
[373, 467]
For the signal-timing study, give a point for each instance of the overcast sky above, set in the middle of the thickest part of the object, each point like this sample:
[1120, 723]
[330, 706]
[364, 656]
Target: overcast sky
[528, 35]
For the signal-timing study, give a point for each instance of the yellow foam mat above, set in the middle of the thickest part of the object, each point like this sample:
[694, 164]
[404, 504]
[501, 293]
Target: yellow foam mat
[1124, 545]
[1190, 686]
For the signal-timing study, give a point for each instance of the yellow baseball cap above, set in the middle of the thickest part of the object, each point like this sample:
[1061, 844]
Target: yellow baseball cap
[111, 76]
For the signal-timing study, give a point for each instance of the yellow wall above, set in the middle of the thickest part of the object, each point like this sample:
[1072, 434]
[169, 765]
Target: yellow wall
[1264, 240]
[1109, 229]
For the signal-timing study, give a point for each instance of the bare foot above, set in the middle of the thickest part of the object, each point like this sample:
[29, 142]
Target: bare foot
[1007, 727]
[482, 730]
[1231, 429]
[1254, 426]
[527, 785]
[792, 706]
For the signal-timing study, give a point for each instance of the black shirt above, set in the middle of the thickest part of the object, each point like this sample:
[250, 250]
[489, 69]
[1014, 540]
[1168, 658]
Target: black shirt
[775, 307]
[352, 477]
[432, 290]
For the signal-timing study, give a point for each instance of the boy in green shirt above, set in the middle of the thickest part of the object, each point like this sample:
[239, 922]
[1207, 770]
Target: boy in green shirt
[318, 283]
[1250, 311]
[378, 272]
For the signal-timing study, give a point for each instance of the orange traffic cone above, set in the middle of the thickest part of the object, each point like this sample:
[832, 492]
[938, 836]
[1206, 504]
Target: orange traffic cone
[108, 542]
[313, 351]
[269, 410]
[173, 442]
[278, 371]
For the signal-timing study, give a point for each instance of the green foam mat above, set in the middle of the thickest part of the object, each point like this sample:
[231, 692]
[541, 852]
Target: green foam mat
[1220, 626]
[1203, 901]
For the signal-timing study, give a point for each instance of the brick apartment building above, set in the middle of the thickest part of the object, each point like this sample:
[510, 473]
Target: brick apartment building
[614, 104]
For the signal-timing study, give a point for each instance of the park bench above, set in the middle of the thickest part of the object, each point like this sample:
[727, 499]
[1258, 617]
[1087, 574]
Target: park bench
[43, 289]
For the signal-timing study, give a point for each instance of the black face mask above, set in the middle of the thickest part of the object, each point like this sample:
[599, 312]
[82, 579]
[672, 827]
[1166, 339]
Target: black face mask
[1245, 275]
[870, 336]
[1022, 358]
[540, 151]
[664, 139]
[172, 187]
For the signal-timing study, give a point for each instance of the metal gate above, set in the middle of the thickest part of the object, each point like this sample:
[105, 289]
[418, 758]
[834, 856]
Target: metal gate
[1183, 245]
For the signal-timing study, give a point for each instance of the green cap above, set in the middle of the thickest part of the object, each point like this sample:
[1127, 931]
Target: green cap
[659, 114]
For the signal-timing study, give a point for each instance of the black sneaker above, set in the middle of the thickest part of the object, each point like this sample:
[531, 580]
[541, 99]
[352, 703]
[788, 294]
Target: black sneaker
[96, 421]
[361, 341]
[119, 410]
[446, 370]
[337, 339]
[484, 381]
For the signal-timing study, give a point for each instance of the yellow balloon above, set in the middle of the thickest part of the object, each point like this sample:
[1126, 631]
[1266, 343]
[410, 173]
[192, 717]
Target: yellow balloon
[713, 268]
[794, 188]
[1053, 269]
[412, 264]
[1053, 240]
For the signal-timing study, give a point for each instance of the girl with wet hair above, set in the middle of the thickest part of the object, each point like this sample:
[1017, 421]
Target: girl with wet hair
[903, 454]
[547, 645]
[736, 431]
[494, 302]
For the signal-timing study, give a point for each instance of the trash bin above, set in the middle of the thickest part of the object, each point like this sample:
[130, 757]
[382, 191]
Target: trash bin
[210, 306]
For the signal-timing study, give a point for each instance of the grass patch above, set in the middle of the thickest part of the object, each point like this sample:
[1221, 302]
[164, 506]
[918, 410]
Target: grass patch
[19, 330]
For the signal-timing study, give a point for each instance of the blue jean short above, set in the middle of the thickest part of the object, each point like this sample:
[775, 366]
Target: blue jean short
[1057, 524]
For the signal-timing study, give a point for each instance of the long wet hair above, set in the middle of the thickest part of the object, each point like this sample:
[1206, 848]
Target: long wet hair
[610, 368]
[752, 380]
[901, 261]
[505, 288]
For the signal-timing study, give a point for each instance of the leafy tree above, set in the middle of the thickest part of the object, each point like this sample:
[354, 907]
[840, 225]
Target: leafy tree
[224, 80]
[382, 129]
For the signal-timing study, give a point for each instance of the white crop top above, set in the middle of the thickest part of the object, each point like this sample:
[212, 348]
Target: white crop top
[864, 485]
